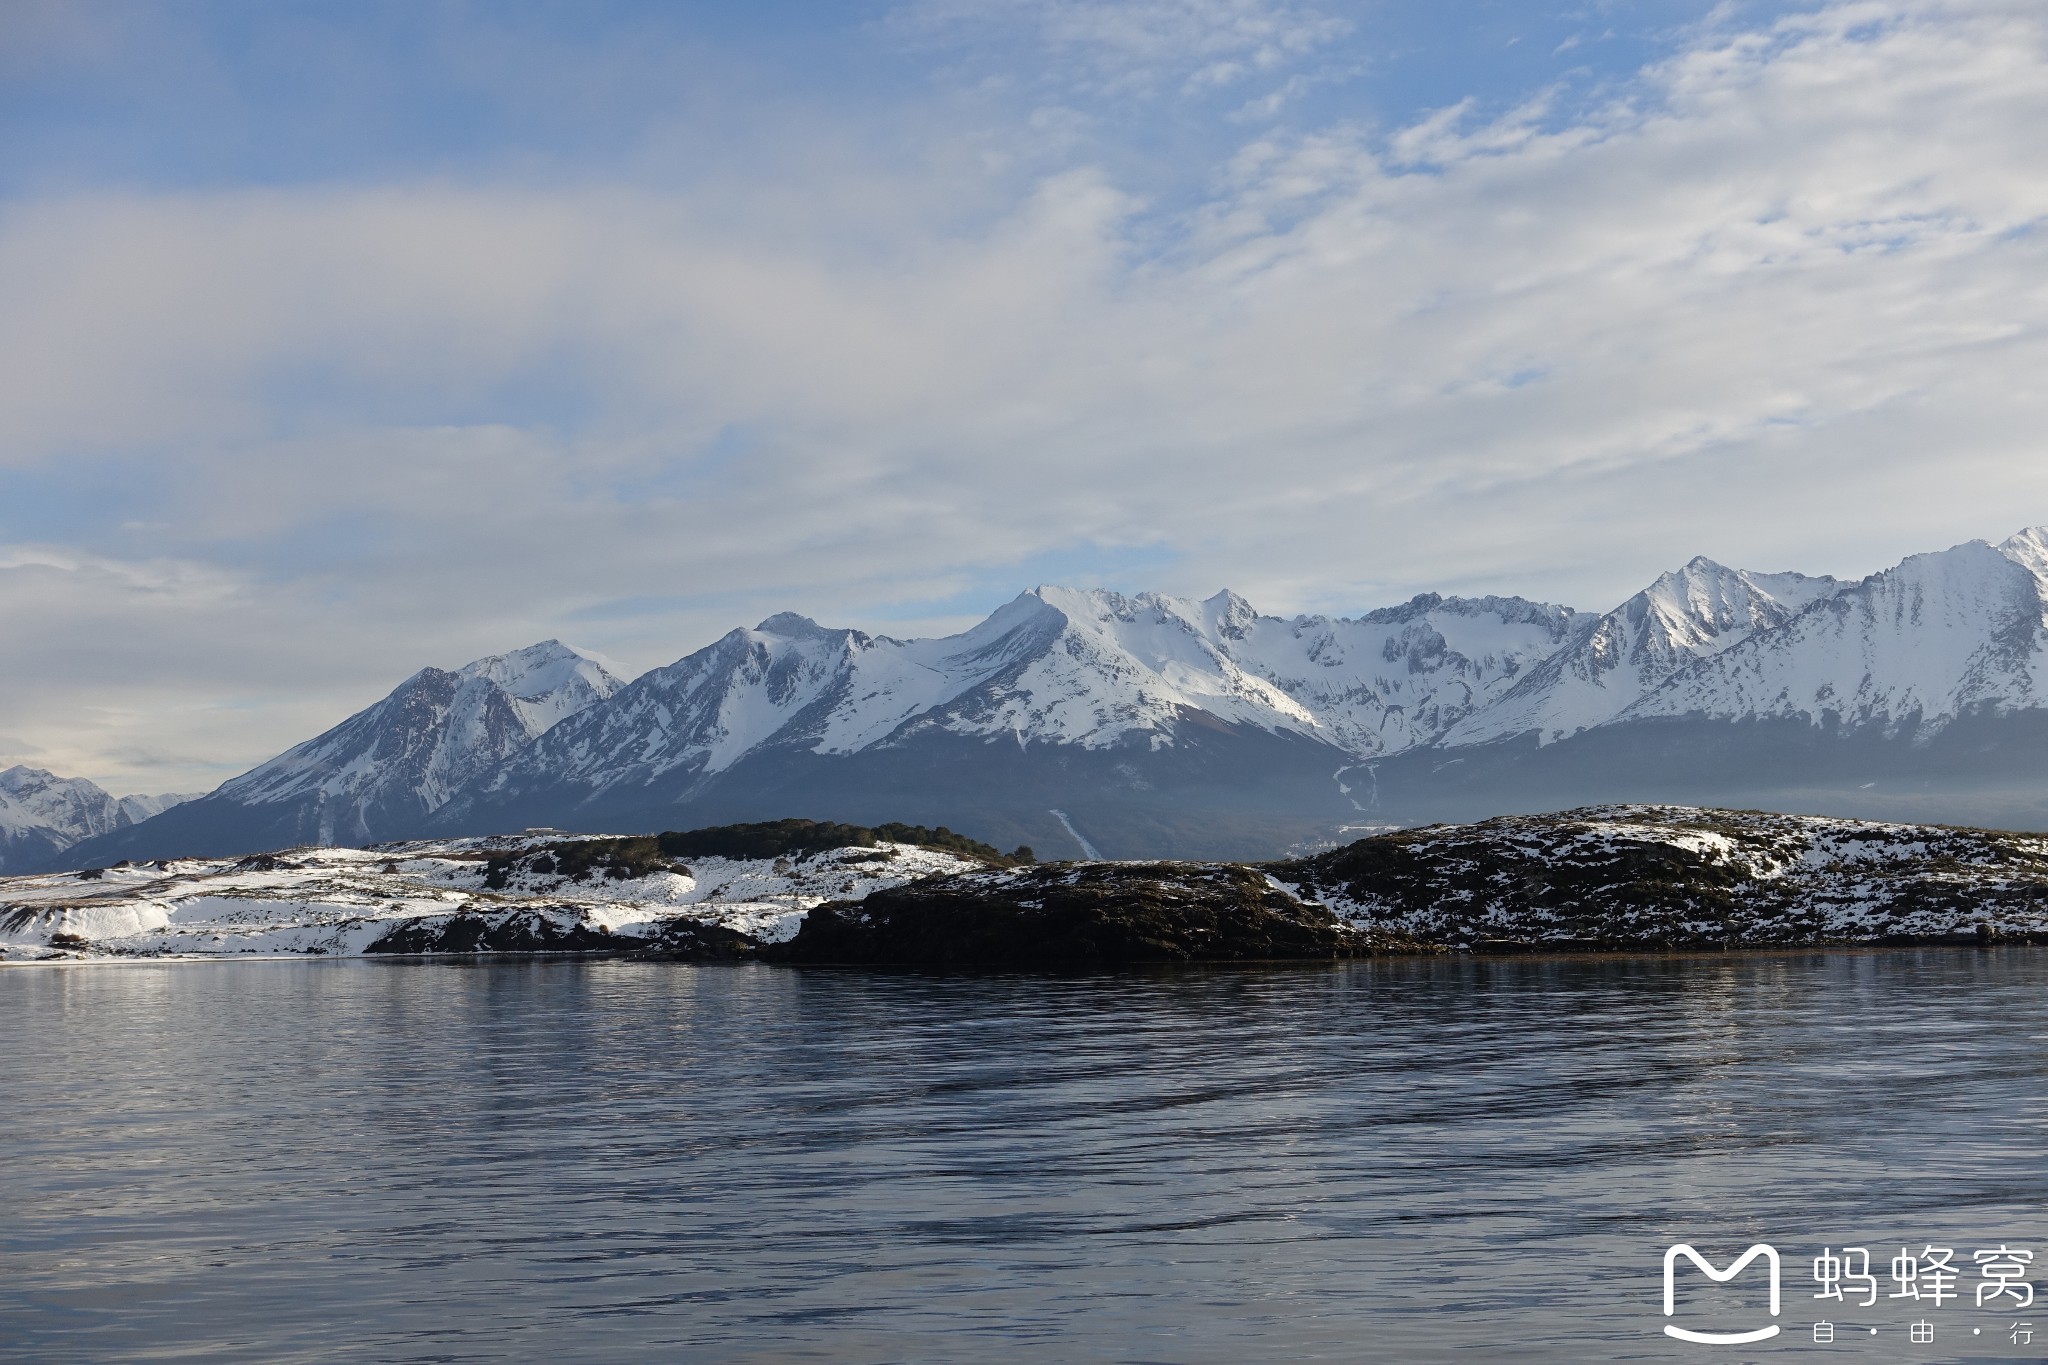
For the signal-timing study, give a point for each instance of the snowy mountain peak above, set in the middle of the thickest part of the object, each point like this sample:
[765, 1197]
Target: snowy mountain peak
[388, 765]
[546, 682]
[1686, 615]
[793, 626]
[1121, 666]
[42, 814]
[1907, 649]
[36, 799]
[1705, 607]
[1417, 606]
[1146, 683]
[1229, 615]
[2030, 548]
[543, 668]
[140, 808]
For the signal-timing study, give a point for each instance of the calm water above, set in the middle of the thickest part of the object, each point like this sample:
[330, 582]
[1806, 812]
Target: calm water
[614, 1161]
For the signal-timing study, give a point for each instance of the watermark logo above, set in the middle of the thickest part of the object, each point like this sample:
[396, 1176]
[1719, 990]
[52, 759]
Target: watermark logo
[1768, 1253]
[1944, 1290]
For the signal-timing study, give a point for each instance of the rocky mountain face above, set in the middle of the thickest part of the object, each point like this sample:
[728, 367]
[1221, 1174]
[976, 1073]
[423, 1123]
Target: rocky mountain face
[1906, 650]
[43, 815]
[1058, 690]
[1686, 616]
[382, 772]
[436, 732]
[1155, 725]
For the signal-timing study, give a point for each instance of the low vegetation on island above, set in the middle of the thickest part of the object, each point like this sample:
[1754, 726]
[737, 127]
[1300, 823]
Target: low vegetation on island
[802, 892]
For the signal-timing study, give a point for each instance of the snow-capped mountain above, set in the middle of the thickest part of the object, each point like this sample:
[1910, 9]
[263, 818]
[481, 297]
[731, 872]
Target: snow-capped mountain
[1114, 665]
[1906, 650]
[42, 814]
[140, 808]
[1156, 711]
[1687, 615]
[2029, 548]
[436, 731]
[1155, 724]
[1398, 677]
[1092, 674]
[381, 772]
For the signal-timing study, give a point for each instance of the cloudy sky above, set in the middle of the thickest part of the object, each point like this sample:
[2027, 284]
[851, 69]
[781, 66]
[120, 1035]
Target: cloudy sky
[337, 339]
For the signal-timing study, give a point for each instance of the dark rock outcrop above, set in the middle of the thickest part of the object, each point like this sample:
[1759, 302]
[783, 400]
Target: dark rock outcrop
[561, 930]
[1637, 877]
[696, 941]
[504, 931]
[1075, 915]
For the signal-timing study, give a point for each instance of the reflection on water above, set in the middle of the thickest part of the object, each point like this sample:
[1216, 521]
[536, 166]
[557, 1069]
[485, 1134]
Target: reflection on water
[605, 1161]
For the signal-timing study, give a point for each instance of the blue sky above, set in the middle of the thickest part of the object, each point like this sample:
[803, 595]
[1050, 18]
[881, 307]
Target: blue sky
[265, 93]
[339, 339]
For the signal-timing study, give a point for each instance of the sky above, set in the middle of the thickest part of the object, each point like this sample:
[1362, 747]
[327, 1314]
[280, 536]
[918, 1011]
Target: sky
[342, 339]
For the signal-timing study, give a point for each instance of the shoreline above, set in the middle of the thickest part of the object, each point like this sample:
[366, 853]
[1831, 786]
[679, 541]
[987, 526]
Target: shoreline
[1533, 953]
[1602, 881]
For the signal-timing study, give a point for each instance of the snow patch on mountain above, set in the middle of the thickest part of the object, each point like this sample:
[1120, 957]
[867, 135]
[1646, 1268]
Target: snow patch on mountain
[2029, 548]
[1092, 669]
[1905, 651]
[436, 731]
[140, 808]
[1407, 675]
[1687, 615]
[42, 814]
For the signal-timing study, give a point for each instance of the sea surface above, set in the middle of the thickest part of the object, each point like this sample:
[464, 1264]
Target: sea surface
[1407, 1160]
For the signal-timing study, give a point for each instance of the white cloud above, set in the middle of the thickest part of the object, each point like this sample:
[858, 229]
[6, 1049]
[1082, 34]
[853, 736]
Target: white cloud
[1785, 305]
[1133, 46]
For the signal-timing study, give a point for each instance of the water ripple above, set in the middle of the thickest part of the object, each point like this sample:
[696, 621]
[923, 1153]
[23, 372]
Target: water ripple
[1411, 1160]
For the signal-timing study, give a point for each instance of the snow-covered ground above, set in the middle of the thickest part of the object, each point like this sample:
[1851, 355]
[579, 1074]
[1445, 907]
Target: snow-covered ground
[343, 901]
[1612, 877]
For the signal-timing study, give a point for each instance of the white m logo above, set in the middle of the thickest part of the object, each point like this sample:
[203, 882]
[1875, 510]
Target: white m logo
[1671, 1255]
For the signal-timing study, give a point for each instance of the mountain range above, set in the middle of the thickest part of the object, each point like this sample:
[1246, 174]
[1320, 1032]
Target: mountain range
[41, 814]
[1153, 725]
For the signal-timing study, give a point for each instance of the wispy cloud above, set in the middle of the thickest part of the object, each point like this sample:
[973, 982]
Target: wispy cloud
[1147, 47]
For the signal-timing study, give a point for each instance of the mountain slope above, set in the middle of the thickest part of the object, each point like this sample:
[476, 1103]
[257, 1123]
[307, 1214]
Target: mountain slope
[2030, 549]
[1917, 694]
[1905, 651]
[1060, 700]
[1691, 614]
[381, 772]
[1150, 724]
[1401, 676]
[41, 814]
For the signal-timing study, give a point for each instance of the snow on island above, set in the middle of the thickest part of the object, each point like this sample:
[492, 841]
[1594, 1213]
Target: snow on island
[508, 893]
[1612, 878]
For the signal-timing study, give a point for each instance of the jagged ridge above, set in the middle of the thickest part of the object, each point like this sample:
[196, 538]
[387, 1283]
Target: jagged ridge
[1150, 718]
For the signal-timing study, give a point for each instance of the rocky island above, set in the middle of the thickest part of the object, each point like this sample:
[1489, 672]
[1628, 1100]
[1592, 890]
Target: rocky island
[801, 892]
